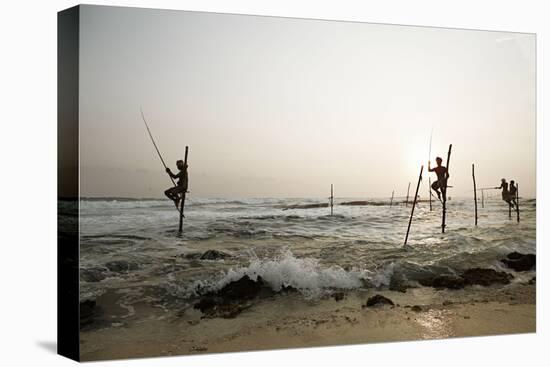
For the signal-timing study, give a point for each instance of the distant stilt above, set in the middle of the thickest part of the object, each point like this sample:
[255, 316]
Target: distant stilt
[407, 201]
[331, 199]
[391, 201]
[482, 198]
[414, 204]
[475, 193]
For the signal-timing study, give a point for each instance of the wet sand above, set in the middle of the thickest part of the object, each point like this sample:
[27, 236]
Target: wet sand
[290, 321]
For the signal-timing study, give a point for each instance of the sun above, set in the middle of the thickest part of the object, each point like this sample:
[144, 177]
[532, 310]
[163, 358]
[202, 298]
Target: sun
[417, 157]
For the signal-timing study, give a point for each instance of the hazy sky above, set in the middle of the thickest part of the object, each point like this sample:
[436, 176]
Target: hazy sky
[285, 107]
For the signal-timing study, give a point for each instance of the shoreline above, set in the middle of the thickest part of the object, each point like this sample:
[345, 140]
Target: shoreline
[288, 320]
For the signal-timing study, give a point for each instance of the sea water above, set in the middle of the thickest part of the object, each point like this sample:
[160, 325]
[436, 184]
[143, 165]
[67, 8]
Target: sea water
[308, 249]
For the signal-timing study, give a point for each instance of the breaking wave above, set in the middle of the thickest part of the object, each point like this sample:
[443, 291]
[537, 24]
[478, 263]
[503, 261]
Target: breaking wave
[306, 275]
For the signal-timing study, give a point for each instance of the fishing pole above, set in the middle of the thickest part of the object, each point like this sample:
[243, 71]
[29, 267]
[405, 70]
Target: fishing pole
[430, 151]
[155, 145]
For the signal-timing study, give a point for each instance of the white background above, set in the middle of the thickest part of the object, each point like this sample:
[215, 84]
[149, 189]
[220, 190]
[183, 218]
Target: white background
[28, 182]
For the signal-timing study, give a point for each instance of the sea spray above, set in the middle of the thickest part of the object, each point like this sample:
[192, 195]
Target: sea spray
[306, 275]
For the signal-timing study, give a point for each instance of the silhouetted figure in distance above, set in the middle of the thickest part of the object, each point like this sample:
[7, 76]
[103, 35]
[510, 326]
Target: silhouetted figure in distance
[512, 192]
[505, 192]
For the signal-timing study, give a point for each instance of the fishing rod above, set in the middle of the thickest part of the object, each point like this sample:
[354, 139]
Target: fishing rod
[180, 210]
[155, 145]
[430, 151]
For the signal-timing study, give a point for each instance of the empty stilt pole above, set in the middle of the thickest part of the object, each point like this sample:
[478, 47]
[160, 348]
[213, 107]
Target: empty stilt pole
[407, 201]
[331, 199]
[482, 198]
[475, 193]
[391, 201]
[414, 204]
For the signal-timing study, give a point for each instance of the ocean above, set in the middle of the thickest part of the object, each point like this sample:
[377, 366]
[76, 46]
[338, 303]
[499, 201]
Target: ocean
[132, 247]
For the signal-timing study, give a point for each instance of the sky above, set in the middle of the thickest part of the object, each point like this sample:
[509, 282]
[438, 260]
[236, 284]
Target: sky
[282, 107]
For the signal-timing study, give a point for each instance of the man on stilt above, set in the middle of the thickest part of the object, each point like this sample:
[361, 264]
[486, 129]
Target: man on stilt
[506, 193]
[512, 193]
[175, 193]
[442, 176]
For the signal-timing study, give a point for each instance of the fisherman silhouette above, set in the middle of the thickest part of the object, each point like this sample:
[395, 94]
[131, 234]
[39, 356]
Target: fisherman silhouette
[505, 193]
[512, 192]
[442, 176]
[175, 193]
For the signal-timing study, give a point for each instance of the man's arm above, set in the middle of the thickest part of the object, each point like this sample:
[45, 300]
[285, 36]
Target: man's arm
[171, 174]
[429, 168]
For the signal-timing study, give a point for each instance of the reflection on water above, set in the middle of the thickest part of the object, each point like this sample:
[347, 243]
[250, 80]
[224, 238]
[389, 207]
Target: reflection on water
[435, 324]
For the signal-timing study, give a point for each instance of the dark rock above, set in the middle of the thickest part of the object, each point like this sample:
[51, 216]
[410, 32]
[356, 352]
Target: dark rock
[219, 307]
[92, 275]
[208, 302]
[515, 255]
[119, 266]
[533, 280]
[416, 308]
[520, 262]
[244, 288]
[232, 299]
[448, 281]
[214, 255]
[378, 300]
[338, 296]
[485, 277]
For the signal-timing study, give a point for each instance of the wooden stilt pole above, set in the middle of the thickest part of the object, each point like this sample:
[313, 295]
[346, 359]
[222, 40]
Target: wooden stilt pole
[182, 202]
[414, 204]
[331, 199]
[482, 198]
[509, 211]
[444, 192]
[391, 201]
[517, 201]
[407, 201]
[475, 193]
[430, 190]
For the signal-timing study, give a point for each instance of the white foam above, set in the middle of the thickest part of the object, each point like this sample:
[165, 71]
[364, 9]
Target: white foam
[304, 274]
[383, 277]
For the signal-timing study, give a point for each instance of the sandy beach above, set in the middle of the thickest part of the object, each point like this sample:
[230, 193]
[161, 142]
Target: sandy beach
[288, 320]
